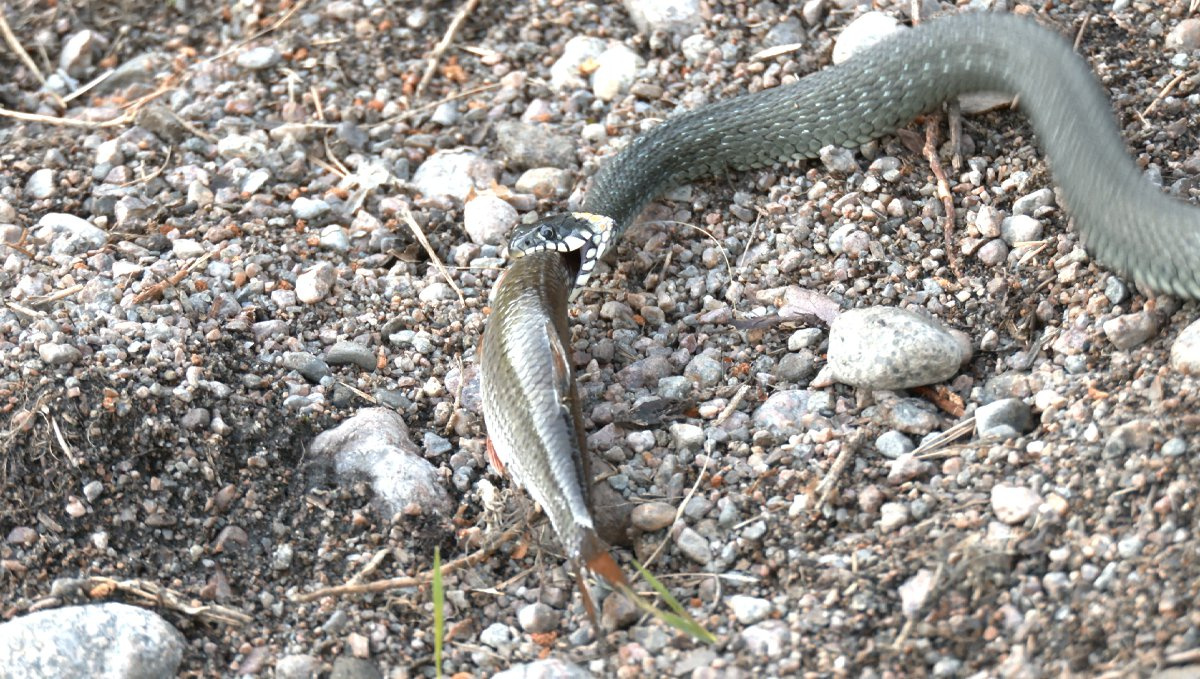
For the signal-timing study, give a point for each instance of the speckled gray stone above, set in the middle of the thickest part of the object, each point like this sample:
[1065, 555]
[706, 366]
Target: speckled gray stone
[41, 184]
[454, 174]
[781, 413]
[53, 353]
[101, 640]
[1185, 351]
[375, 442]
[1020, 229]
[891, 348]
[351, 353]
[694, 546]
[67, 234]
[769, 638]
[1130, 330]
[537, 618]
[892, 444]
[1007, 412]
[748, 609]
[312, 368]
[488, 219]
[1013, 504]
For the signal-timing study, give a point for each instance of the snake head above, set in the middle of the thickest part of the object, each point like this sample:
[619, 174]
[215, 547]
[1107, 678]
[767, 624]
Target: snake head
[586, 236]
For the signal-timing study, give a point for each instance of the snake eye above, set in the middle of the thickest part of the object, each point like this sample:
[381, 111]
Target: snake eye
[546, 232]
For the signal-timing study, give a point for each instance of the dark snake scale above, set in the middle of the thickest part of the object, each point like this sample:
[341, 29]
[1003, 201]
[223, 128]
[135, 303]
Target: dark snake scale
[1128, 224]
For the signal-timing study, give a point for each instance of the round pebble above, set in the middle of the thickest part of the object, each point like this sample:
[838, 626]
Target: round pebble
[1013, 504]
[652, 516]
[488, 219]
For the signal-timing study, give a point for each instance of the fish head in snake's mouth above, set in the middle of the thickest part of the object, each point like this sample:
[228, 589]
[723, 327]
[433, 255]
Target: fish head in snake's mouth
[583, 237]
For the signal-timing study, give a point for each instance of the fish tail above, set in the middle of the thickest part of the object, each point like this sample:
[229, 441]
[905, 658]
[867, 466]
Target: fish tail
[596, 558]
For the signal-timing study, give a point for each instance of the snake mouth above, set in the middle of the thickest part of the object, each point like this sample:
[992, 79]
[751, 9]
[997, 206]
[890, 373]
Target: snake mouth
[582, 238]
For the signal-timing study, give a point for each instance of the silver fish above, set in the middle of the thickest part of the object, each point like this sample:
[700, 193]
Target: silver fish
[531, 406]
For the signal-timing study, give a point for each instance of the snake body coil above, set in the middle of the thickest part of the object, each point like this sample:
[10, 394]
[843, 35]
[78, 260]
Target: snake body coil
[1127, 223]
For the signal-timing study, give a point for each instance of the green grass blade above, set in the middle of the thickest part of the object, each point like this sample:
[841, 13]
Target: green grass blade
[439, 612]
[679, 619]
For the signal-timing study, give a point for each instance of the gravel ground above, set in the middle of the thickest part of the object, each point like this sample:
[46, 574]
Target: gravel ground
[167, 363]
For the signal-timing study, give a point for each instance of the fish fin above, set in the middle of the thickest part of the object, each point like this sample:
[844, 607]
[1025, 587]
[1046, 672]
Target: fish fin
[597, 559]
[559, 362]
[588, 604]
[494, 458]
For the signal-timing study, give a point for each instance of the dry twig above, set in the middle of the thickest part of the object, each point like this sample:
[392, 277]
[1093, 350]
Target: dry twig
[825, 488]
[436, 55]
[1161, 94]
[67, 122]
[152, 594]
[156, 290]
[1082, 28]
[419, 234]
[732, 405]
[411, 580]
[15, 46]
[943, 190]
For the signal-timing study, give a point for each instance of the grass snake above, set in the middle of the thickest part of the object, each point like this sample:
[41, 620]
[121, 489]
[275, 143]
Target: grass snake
[1127, 223]
[530, 402]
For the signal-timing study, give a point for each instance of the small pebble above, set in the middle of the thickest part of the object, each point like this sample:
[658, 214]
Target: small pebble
[309, 208]
[915, 592]
[454, 174]
[1020, 229]
[615, 71]
[1185, 36]
[905, 468]
[618, 612]
[680, 17]
[58, 354]
[1131, 330]
[566, 72]
[315, 284]
[769, 638]
[351, 353]
[893, 444]
[537, 618]
[545, 182]
[748, 609]
[40, 184]
[1012, 413]
[550, 668]
[866, 30]
[186, 248]
[892, 515]
[992, 253]
[652, 516]
[1014, 504]
[257, 58]
[838, 159]
[693, 545]
[686, 436]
